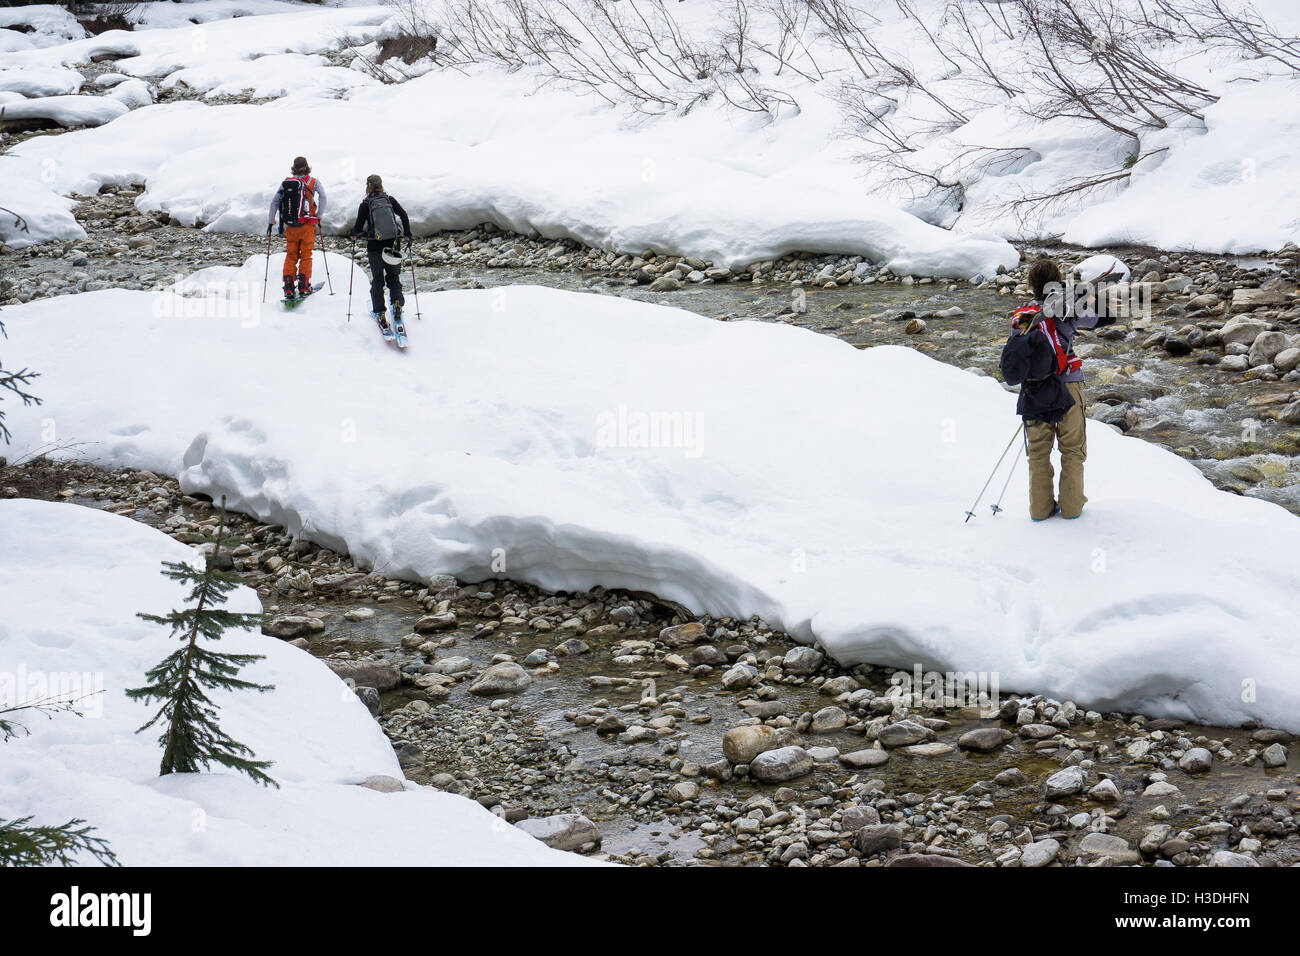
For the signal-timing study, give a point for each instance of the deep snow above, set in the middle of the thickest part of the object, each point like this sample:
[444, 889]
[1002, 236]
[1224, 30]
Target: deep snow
[796, 478]
[71, 582]
[461, 147]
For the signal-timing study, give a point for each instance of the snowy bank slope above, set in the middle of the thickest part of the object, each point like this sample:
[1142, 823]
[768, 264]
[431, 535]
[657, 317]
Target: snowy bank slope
[817, 485]
[71, 582]
[940, 108]
[460, 148]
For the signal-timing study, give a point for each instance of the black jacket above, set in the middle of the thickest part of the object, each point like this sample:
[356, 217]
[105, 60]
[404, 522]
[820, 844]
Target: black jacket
[1028, 360]
[362, 226]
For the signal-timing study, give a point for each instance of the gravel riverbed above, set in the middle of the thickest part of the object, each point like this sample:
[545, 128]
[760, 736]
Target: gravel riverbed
[615, 723]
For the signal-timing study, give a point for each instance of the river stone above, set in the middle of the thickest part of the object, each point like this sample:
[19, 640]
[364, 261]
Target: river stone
[780, 765]
[823, 754]
[1274, 755]
[843, 684]
[1114, 848]
[1011, 777]
[1286, 360]
[452, 665]
[855, 818]
[829, 718]
[679, 635]
[741, 675]
[293, 625]
[903, 733]
[370, 697]
[684, 792]
[1039, 853]
[708, 654]
[1065, 782]
[743, 744]
[1161, 788]
[1105, 792]
[802, 660]
[504, 678]
[1196, 760]
[1242, 330]
[563, 831]
[864, 758]
[377, 674]
[572, 647]
[435, 622]
[984, 739]
[383, 783]
[935, 748]
[879, 838]
[1246, 300]
[1266, 347]
[1228, 858]
[764, 709]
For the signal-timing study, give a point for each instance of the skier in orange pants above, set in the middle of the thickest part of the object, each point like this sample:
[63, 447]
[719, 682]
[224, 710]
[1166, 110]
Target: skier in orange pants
[299, 202]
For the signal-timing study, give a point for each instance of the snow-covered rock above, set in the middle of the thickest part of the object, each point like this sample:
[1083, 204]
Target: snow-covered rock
[70, 112]
[71, 582]
[739, 468]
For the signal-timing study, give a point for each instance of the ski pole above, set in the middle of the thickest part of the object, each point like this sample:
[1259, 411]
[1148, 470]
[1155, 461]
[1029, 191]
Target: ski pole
[997, 505]
[352, 268]
[266, 274]
[415, 286]
[970, 514]
[326, 256]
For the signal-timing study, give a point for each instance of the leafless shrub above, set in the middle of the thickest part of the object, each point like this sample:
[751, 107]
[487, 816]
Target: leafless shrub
[629, 52]
[1238, 27]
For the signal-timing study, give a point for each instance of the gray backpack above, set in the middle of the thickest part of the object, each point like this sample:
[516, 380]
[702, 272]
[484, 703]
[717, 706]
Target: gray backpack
[384, 223]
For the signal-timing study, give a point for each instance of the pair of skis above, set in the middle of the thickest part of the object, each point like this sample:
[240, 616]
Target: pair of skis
[393, 331]
[293, 301]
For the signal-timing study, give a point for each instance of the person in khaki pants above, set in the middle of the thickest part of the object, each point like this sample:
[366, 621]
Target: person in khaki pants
[1053, 313]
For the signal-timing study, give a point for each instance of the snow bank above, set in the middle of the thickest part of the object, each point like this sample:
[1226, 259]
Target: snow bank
[1233, 183]
[40, 25]
[71, 582]
[794, 477]
[69, 112]
[458, 150]
[40, 81]
[45, 215]
[522, 150]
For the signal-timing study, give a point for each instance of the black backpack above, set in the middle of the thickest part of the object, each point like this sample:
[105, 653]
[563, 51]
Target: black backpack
[384, 224]
[290, 202]
[1027, 358]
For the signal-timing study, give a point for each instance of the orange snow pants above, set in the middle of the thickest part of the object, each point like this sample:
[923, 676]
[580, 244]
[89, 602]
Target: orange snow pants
[299, 243]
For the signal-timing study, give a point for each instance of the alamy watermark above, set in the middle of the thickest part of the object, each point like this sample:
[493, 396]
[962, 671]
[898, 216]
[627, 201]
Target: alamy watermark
[932, 690]
[79, 691]
[625, 427]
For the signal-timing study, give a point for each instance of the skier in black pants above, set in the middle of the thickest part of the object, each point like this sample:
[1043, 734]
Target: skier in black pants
[383, 223]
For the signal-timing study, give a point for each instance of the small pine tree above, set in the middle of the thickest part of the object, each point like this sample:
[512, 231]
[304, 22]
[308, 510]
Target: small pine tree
[23, 845]
[191, 739]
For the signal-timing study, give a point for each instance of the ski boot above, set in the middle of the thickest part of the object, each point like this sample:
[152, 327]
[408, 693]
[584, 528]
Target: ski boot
[399, 327]
[289, 293]
[304, 286]
[384, 329]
